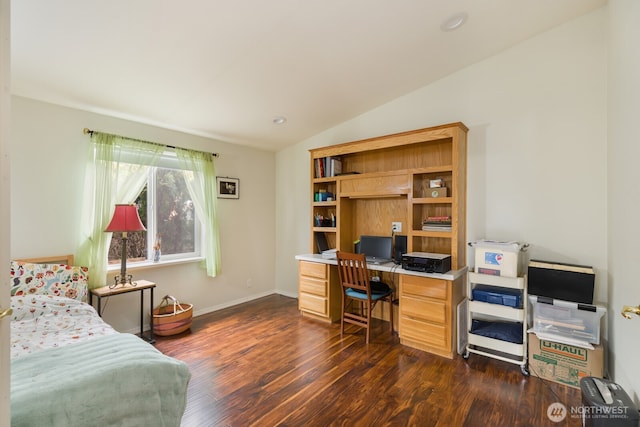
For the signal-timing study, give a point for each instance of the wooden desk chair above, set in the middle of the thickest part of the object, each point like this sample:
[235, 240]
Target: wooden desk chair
[357, 288]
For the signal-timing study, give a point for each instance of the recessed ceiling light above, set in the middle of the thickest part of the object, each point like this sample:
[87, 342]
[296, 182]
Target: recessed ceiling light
[278, 120]
[454, 22]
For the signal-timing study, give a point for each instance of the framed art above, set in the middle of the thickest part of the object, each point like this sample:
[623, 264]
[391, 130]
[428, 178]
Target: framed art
[228, 188]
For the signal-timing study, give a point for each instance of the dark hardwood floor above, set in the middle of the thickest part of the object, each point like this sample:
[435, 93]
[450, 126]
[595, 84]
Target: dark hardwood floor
[261, 363]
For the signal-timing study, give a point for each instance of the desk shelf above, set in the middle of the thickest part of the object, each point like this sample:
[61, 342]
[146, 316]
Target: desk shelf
[389, 179]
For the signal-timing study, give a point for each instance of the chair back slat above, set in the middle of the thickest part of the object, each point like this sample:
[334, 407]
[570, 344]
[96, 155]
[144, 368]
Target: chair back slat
[352, 270]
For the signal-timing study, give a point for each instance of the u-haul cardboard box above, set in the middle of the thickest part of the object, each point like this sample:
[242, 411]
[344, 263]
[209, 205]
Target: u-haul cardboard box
[564, 363]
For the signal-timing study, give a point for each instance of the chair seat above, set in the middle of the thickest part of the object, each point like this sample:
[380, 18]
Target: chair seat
[375, 294]
[377, 287]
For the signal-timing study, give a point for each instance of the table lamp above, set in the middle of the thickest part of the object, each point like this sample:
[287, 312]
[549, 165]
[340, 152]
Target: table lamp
[125, 219]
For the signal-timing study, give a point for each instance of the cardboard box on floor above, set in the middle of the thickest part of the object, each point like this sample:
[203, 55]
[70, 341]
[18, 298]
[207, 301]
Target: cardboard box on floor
[563, 363]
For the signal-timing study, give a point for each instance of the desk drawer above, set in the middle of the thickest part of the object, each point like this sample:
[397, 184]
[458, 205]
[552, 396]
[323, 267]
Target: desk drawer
[313, 304]
[313, 286]
[423, 309]
[424, 286]
[313, 269]
[417, 330]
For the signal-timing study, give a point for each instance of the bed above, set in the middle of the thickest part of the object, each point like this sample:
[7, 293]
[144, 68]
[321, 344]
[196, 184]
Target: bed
[70, 368]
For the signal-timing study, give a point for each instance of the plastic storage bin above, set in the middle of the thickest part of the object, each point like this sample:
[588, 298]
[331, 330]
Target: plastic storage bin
[567, 322]
[499, 258]
[496, 295]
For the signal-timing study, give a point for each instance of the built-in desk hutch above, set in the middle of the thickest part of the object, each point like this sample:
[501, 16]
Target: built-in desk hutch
[362, 187]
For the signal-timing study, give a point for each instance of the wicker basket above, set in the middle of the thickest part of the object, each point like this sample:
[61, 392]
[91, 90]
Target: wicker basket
[171, 317]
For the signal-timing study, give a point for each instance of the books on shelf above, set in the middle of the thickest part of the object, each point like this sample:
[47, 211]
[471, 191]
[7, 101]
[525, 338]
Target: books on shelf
[327, 167]
[437, 223]
[442, 219]
[336, 167]
[436, 228]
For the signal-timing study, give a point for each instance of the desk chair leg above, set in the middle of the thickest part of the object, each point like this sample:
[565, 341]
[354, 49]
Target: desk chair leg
[369, 307]
[391, 313]
[342, 316]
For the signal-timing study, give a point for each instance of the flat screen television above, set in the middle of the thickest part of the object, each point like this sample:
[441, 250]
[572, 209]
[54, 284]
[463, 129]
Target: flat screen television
[377, 249]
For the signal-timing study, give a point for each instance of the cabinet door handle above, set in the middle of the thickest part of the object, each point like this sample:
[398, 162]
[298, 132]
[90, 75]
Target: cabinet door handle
[6, 312]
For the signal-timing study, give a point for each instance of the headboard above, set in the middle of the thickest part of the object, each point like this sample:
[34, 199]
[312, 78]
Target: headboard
[62, 259]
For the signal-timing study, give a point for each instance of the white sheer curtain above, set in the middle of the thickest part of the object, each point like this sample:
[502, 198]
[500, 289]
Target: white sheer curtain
[200, 177]
[117, 172]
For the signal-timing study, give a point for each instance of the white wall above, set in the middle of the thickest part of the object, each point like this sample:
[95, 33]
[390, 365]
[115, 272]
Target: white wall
[536, 148]
[48, 160]
[624, 200]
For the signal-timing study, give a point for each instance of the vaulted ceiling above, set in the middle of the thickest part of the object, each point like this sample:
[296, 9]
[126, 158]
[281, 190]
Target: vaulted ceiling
[226, 68]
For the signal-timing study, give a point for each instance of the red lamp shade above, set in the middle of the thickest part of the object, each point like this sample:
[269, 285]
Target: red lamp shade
[125, 218]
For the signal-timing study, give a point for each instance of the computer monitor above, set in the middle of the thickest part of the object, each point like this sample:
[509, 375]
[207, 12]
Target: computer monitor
[377, 249]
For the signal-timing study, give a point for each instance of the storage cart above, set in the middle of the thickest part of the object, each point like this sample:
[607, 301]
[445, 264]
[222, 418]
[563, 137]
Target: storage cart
[497, 318]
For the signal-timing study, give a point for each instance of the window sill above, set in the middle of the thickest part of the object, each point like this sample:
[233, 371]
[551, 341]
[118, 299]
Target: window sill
[133, 266]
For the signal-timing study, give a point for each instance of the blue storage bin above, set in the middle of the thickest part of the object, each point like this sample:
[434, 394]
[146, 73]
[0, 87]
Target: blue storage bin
[505, 331]
[497, 295]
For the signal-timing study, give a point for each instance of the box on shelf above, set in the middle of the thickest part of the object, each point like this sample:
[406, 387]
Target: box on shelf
[437, 192]
[565, 321]
[499, 258]
[564, 363]
[497, 295]
[565, 282]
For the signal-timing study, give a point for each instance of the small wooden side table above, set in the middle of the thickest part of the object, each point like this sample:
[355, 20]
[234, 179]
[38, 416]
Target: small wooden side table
[140, 286]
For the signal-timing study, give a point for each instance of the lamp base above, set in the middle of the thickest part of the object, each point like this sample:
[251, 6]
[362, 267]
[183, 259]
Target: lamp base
[122, 280]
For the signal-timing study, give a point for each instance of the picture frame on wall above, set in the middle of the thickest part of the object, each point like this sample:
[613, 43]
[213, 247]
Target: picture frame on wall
[228, 188]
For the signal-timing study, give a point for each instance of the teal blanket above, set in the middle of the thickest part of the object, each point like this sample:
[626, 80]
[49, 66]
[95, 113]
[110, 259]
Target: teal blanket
[114, 380]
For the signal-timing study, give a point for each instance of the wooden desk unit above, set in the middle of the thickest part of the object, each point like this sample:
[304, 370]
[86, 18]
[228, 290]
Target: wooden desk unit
[427, 302]
[415, 178]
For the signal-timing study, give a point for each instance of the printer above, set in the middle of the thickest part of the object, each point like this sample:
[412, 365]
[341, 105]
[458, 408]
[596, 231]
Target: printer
[426, 262]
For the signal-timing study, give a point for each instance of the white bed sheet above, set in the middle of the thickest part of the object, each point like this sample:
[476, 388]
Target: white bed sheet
[46, 321]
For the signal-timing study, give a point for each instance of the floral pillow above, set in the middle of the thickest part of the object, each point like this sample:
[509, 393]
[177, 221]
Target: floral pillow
[49, 279]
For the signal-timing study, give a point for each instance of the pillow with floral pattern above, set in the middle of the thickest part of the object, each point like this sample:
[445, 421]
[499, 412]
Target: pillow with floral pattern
[49, 279]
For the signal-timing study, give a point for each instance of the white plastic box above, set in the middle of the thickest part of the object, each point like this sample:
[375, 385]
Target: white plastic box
[567, 322]
[499, 258]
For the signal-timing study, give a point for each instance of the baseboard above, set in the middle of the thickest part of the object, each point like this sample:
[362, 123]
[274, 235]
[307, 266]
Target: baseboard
[228, 304]
[287, 294]
[207, 310]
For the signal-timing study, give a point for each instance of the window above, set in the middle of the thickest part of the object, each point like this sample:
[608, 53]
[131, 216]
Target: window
[166, 210]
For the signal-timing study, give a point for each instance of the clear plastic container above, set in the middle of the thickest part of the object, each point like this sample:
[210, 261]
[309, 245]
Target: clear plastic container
[566, 321]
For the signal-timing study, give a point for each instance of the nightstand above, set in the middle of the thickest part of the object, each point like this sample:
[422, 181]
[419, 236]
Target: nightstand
[140, 286]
